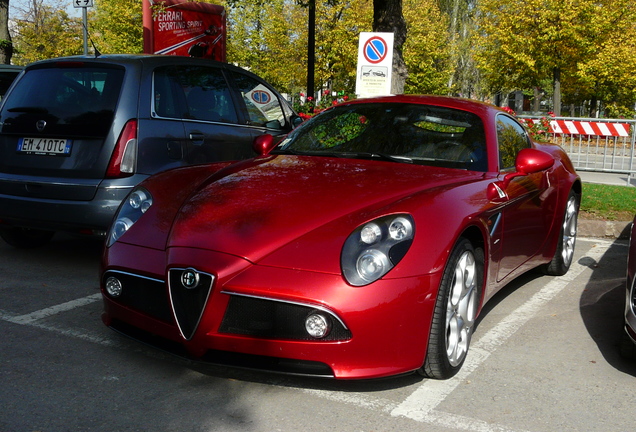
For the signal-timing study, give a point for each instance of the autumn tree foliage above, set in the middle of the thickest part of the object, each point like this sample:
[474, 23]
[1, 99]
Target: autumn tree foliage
[523, 42]
[116, 26]
[43, 29]
[270, 38]
[579, 52]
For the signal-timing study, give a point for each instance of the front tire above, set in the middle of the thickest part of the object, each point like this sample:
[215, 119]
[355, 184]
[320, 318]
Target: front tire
[564, 254]
[455, 312]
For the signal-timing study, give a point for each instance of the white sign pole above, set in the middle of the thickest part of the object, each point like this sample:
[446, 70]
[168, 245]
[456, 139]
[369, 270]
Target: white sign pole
[84, 4]
[85, 21]
[375, 64]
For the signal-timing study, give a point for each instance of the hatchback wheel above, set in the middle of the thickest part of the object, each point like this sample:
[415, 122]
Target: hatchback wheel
[25, 238]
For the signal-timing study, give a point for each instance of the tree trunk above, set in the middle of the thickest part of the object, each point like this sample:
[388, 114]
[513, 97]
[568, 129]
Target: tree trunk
[388, 17]
[6, 46]
[311, 49]
[557, 91]
[537, 101]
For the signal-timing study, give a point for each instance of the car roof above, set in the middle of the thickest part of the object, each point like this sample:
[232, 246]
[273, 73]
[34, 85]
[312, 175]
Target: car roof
[443, 101]
[131, 59]
[10, 68]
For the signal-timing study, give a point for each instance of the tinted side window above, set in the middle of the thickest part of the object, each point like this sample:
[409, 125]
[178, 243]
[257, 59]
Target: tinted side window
[6, 78]
[193, 92]
[264, 108]
[512, 138]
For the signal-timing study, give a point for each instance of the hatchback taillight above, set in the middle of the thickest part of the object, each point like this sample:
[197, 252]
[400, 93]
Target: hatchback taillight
[124, 159]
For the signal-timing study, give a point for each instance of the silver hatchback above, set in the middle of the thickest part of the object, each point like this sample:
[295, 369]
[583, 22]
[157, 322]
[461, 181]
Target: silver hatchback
[78, 133]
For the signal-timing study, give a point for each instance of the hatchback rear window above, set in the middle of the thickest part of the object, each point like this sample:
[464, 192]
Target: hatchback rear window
[77, 100]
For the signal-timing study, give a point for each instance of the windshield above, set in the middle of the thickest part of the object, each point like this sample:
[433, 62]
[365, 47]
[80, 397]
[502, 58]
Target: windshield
[410, 133]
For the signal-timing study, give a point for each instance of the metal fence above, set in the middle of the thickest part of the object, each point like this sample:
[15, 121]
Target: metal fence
[599, 145]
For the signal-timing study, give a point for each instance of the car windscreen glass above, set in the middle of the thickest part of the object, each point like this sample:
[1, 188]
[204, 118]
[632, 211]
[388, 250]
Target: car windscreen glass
[74, 101]
[422, 134]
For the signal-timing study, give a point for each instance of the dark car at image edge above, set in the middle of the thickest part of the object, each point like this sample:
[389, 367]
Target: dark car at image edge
[628, 334]
[78, 133]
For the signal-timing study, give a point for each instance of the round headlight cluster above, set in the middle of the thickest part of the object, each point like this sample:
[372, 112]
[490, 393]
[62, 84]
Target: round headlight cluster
[140, 200]
[133, 207]
[371, 250]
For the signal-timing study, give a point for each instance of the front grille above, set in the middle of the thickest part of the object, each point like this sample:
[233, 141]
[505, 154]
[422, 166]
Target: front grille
[147, 295]
[188, 301]
[274, 320]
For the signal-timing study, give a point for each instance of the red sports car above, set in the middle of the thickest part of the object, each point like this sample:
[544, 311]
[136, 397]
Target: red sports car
[363, 245]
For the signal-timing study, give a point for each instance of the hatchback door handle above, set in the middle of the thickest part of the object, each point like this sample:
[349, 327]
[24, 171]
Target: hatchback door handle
[197, 138]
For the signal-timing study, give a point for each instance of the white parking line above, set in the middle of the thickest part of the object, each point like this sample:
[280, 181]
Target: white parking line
[32, 319]
[53, 310]
[421, 404]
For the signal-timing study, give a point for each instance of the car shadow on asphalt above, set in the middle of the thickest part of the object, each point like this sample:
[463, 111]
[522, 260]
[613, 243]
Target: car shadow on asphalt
[602, 304]
[66, 247]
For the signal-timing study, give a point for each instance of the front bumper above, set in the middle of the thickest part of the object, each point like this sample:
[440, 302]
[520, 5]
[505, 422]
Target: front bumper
[382, 328]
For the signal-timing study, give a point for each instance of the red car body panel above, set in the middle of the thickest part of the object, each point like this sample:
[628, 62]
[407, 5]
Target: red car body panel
[274, 227]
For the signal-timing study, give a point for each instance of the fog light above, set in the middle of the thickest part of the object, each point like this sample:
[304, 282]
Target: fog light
[113, 286]
[317, 325]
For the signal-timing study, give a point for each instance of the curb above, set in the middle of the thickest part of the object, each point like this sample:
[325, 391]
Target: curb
[604, 229]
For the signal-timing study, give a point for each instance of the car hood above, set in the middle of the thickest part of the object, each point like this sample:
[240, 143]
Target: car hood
[254, 211]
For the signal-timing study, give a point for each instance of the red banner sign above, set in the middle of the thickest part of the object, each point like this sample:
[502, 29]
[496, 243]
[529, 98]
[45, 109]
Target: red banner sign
[185, 28]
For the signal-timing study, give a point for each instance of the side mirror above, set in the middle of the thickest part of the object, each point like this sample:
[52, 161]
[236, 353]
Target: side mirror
[296, 121]
[529, 161]
[532, 160]
[263, 144]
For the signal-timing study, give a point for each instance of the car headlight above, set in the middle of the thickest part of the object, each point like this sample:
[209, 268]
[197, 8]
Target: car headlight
[135, 205]
[375, 248]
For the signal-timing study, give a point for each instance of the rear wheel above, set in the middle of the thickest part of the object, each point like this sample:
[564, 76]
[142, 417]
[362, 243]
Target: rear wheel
[25, 238]
[455, 312]
[564, 254]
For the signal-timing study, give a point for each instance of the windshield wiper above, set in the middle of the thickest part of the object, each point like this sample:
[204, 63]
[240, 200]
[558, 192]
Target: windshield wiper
[347, 155]
[385, 157]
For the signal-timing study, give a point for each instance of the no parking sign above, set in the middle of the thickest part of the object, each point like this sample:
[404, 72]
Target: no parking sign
[375, 64]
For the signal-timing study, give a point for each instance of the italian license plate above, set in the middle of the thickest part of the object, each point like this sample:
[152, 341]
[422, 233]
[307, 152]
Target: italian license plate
[45, 146]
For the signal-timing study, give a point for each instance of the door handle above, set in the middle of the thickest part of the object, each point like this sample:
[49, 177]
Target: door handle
[197, 138]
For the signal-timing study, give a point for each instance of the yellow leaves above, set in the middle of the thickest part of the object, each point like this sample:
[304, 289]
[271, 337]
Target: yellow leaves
[117, 26]
[538, 35]
[426, 50]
